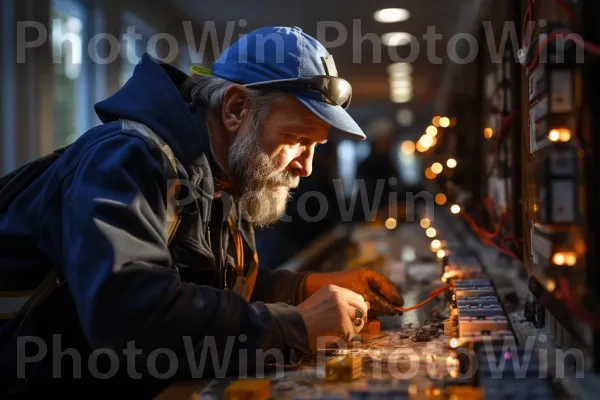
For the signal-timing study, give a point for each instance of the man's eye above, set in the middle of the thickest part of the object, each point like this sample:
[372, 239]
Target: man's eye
[295, 139]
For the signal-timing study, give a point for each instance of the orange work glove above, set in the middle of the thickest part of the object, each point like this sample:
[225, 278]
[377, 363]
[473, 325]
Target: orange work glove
[379, 291]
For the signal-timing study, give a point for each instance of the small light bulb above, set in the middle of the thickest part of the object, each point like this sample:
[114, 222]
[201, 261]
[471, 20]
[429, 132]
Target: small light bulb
[436, 245]
[441, 254]
[430, 232]
[431, 130]
[437, 168]
[390, 223]
[560, 135]
[455, 209]
[453, 343]
[451, 163]
[488, 133]
[440, 199]
[425, 223]
[445, 122]
[558, 259]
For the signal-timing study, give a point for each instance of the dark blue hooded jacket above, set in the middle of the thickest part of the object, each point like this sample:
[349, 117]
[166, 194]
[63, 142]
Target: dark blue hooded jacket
[98, 215]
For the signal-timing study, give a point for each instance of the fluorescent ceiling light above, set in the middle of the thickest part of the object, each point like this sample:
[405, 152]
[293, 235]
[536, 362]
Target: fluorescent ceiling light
[396, 38]
[400, 97]
[388, 15]
[400, 83]
[401, 91]
[399, 69]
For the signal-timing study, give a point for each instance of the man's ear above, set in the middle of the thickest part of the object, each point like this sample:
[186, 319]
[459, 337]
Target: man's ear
[235, 108]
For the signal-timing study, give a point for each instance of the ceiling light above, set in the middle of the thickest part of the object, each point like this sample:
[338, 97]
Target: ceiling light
[389, 15]
[399, 69]
[400, 83]
[400, 97]
[401, 91]
[396, 38]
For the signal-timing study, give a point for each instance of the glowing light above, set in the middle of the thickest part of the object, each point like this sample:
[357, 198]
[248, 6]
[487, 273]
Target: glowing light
[396, 39]
[445, 122]
[390, 223]
[401, 91]
[455, 209]
[429, 174]
[550, 285]
[435, 245]
[440, 199]
[441, 253]
[431, 232]
[436, 121]
[396, 97]
[421, 148]
[425, 223]
[431, 130]
[453, 343]
[560, 135]
[564, 258]
[426, 141]
[390, 15]
[399, 69]
[408, 147]
[571, 259]
[451, 163]
[488, 133]
[437, 168]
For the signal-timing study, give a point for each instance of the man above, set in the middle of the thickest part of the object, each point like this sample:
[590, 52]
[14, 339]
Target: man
[170, 281]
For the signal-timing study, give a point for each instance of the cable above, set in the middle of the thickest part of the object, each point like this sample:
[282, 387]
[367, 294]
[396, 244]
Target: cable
[570, 14]
[434, 293]
[580, 312]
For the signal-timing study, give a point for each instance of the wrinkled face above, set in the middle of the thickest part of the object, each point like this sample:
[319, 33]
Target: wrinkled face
[269, 156]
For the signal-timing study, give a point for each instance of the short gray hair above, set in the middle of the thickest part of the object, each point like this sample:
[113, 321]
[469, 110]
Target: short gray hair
[209, 91]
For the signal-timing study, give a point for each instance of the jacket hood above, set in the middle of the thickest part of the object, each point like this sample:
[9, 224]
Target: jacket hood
[152, 97]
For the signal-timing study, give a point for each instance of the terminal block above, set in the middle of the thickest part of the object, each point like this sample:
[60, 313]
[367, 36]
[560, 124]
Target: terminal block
[248, 389]
[343, 369]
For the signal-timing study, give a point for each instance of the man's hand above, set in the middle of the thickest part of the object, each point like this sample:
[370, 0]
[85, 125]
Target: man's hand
[378, 290]
[331, 312]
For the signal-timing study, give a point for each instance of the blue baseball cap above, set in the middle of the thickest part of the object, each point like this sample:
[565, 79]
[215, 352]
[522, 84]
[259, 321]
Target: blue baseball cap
[275, 53]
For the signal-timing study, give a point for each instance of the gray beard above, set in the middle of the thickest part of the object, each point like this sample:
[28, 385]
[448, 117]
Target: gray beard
[256, 178]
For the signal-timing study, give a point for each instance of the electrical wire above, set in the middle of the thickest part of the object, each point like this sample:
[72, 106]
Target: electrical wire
[434, 293]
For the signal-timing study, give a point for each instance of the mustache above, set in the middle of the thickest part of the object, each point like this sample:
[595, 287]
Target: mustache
[284, 178]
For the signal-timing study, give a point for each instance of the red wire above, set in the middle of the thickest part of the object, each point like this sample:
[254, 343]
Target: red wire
[434, 293]
[528, 18]
[481, 234]
[570, 13]
[580, 312]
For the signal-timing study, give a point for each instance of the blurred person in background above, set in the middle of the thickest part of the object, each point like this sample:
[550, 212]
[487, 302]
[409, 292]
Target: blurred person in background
[383, 186]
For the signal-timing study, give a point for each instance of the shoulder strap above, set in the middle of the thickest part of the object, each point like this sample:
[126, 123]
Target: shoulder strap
[51, 281]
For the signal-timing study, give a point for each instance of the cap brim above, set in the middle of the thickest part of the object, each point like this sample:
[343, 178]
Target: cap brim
[335, 116]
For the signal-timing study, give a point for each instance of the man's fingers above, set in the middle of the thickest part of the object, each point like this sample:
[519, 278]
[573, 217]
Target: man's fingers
[386, 288]
[355, 300]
